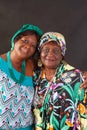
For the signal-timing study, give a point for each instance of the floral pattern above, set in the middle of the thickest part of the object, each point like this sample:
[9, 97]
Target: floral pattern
[64, 106]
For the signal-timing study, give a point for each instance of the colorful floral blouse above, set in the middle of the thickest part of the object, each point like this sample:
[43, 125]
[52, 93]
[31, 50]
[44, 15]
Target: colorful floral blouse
[60, 104]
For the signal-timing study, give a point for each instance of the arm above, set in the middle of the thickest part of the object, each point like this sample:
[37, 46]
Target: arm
[84, 84]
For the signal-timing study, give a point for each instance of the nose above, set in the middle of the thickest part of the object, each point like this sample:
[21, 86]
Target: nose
[27, 45]
[50, 53]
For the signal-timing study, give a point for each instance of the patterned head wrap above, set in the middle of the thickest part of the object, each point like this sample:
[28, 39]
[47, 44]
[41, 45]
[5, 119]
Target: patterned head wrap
[53, 36]
[24, 28]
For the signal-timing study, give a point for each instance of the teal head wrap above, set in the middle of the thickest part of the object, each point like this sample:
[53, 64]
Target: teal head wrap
[24, 28]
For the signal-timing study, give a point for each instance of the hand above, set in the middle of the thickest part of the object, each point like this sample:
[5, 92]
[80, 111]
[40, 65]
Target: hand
[84, 84]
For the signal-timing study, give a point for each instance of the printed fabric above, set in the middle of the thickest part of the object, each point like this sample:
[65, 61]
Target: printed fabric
[61, 104]
[15, 101]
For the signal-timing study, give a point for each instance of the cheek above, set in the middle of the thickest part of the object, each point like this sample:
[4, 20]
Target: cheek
[50, 63]
[43, 55]
[31, 51]
[16, 47]
[60, 57]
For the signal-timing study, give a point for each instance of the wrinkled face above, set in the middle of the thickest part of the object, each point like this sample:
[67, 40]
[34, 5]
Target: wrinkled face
[25, 47]
[51, 55]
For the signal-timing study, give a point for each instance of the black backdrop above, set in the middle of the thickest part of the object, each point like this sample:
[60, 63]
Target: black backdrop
[68, 17]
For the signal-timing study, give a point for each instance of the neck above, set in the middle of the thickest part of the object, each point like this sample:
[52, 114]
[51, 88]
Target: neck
[16, 62]
[49, 73]
[10, 66]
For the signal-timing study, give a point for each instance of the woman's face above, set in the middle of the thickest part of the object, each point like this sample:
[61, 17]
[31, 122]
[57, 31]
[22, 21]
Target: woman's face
[25, 47]
[51, 55]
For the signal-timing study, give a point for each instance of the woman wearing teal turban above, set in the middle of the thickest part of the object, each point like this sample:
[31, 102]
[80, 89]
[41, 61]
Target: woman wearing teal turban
[16, 85]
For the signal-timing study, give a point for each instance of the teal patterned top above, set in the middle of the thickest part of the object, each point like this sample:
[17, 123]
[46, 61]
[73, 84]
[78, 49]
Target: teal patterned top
[15, 100]
[60, 104]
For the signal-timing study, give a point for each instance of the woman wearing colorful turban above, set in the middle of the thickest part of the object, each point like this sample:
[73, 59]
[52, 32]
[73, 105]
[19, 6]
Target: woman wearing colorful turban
[60, 102]
[16, 85]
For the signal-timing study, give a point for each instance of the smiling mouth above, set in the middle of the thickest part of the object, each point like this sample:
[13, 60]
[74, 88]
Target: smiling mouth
[50, 60]
[25, 51]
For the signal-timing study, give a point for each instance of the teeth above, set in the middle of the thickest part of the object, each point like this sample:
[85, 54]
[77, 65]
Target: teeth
[24, 50]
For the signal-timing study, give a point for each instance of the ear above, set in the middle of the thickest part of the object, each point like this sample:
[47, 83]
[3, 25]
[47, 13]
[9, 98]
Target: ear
[12, 46]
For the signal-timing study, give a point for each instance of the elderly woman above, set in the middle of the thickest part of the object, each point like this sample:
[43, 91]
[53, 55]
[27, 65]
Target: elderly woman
[16, 84]
[60, 102]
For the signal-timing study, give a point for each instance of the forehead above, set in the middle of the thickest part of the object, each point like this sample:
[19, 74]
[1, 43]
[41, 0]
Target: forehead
[26, 35]
[51, 44]
[30, 38]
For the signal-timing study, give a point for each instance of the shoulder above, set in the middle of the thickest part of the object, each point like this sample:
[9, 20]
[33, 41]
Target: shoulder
[3, 56]
[72, 76]
[67, 66]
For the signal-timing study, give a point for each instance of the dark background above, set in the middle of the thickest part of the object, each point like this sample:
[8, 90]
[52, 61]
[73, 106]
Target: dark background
[68, 17]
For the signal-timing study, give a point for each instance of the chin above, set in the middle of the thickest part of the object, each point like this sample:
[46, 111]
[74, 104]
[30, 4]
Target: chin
[51, 67]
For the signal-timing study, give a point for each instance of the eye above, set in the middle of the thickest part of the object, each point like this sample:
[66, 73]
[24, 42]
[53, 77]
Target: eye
[45, 50]
[24, 41]
[33, 45]
[56, 51]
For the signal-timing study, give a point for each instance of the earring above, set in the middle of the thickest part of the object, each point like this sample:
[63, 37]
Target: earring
[39, 63]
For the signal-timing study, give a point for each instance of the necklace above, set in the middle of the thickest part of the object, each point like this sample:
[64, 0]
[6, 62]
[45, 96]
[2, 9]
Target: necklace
[22, 74]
